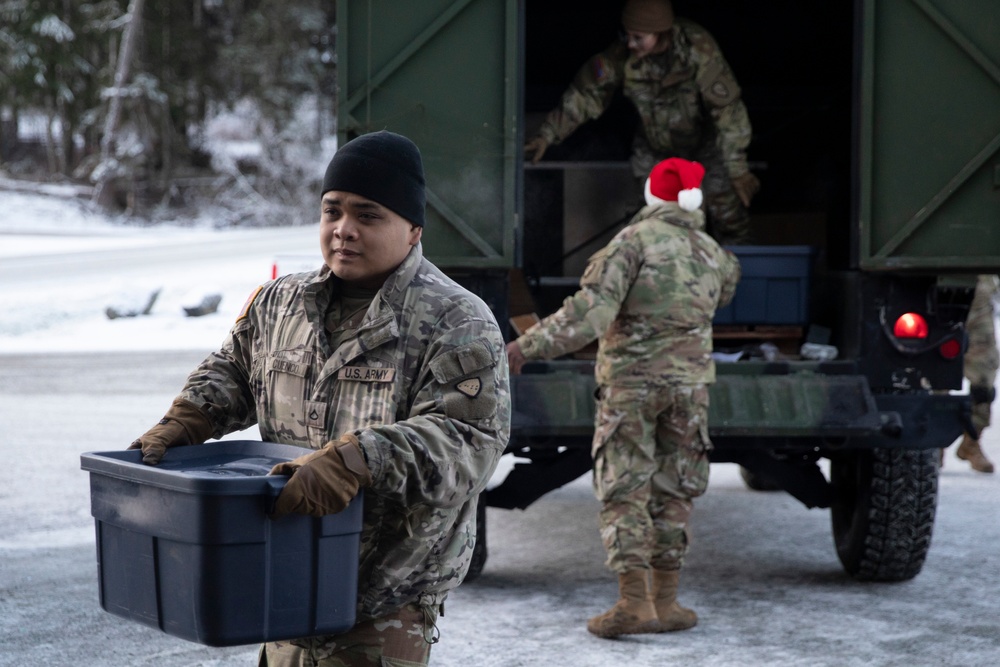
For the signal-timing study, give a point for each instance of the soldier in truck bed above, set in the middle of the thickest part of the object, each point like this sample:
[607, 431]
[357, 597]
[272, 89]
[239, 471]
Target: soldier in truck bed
[688, 101]
[649, 298]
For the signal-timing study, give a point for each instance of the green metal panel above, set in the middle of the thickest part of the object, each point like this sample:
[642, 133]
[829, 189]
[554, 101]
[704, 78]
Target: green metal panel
[930, 135]
[560, 402]
[797, 404]
[444, 73]
[745, 401]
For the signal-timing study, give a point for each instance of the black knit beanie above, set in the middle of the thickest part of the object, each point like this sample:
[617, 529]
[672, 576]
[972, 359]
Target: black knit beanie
[384, 167]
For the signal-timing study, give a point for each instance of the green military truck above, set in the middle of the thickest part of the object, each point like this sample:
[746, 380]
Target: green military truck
[876, 138]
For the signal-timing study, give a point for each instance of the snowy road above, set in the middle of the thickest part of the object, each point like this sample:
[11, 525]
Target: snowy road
[146, 253]
[54, 288]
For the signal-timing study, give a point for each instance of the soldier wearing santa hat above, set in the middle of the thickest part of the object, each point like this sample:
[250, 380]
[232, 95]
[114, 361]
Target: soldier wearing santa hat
[688, 102]
[648, 297]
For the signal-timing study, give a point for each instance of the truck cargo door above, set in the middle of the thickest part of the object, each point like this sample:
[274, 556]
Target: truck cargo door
[443, 73]
[929, 142]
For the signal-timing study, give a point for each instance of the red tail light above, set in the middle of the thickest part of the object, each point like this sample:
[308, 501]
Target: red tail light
[910, 325]
[274, 271]
[950, 349]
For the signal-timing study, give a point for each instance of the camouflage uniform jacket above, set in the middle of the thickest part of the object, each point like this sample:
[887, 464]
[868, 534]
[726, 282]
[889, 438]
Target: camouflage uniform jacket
[649, 296]
[424, 385]
[672, 92]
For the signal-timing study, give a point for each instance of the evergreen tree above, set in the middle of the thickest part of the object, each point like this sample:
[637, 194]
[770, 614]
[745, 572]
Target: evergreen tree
[192, 59]
[52, 59]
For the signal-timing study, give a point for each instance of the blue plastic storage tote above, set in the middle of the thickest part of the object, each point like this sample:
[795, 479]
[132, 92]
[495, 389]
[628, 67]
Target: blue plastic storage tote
[773, 287]
[186, 546]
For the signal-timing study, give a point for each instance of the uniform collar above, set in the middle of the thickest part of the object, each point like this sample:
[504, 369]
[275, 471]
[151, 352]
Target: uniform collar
[380, 322]
[400, 279]
[672, 213]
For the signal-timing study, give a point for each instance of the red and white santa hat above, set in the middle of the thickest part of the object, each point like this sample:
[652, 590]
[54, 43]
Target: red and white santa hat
[678, 180]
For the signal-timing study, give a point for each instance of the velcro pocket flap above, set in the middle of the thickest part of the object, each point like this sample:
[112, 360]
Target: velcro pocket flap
[379, 332]
[462, 361]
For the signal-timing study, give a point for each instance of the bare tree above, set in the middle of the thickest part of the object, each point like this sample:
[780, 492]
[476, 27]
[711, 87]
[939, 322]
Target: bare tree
[122, 74]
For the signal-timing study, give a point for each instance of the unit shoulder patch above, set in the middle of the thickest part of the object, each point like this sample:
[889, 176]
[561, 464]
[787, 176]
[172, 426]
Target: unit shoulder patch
[249, 302]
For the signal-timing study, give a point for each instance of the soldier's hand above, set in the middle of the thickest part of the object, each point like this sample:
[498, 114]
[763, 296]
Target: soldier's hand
[323, 482]
[515, 358]
[184, 424]
[535, 149]
[746, 187]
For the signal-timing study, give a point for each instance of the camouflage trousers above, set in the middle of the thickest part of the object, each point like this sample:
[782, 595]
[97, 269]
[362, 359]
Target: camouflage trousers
[982, 358]
[651, 458]
[726, 218]
[401, 639]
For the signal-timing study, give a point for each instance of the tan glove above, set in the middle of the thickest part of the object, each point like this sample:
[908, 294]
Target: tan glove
[746, 187]
[184, 424]
[323, 482]
[537, 147]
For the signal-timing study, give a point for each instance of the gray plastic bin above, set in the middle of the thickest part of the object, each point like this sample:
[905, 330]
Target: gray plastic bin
[187, 547]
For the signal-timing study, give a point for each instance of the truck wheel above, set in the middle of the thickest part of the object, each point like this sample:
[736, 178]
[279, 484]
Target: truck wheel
[479, 551]
[883, 511]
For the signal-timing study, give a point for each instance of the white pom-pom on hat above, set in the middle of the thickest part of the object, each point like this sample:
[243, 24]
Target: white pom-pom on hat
[690, 200]
[676, 179]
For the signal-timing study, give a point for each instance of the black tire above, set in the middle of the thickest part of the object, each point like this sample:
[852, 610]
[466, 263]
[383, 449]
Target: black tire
[883, 511]
[479, 552]
[755, 482]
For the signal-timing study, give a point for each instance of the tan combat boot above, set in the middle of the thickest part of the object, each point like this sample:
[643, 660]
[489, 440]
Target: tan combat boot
[969, 450]
[671, 615]
[634, 612]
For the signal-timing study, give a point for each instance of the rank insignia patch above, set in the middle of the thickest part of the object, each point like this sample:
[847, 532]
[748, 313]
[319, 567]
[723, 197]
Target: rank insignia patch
[470, 387]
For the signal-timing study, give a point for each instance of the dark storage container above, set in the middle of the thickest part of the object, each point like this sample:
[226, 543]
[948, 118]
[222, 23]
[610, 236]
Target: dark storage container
[773, 288]
[187, 547]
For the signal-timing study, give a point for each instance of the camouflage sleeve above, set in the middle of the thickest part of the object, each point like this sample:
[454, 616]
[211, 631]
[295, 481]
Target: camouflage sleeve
[586, 315]
[220, 386]
[721, 94]
[731, 271]
[733, 125]
[445, 451]
[588, 96]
